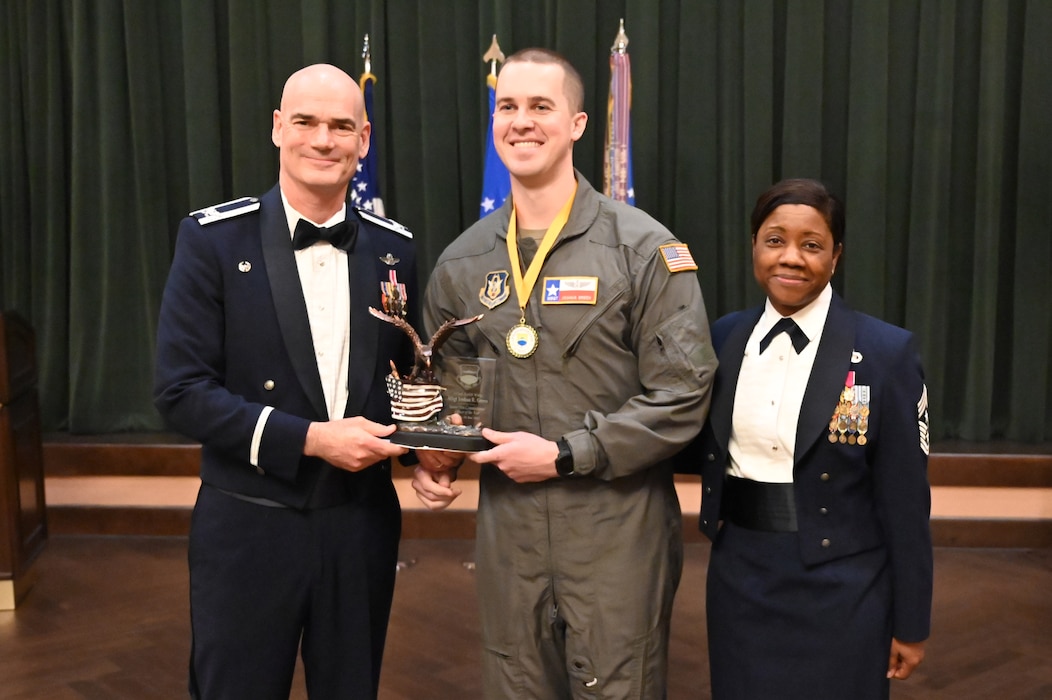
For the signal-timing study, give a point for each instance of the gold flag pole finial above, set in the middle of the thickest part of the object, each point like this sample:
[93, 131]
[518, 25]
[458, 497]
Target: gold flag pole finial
[367, 55]
[493, 56]
[621, 40]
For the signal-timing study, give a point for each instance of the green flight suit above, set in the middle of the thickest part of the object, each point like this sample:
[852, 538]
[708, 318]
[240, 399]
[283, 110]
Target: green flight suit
[576, 576]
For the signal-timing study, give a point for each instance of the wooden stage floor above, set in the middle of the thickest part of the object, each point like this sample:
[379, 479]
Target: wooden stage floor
[107, 619]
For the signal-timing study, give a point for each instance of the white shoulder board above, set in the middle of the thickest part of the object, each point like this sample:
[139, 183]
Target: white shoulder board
[226, 210]
[386, 223]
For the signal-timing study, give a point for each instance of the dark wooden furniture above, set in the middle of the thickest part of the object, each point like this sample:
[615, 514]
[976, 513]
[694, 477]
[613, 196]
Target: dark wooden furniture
[23, 520]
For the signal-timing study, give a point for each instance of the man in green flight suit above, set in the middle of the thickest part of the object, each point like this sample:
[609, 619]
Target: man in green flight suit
[595, 317]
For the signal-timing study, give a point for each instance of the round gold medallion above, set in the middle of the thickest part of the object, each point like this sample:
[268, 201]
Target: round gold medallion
[522, 341]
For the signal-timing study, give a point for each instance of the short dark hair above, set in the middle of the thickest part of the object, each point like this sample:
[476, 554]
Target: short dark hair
[574, 85]
[801, 191]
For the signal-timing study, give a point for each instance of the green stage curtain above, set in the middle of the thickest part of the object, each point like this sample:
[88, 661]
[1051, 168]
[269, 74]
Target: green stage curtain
[928, 116]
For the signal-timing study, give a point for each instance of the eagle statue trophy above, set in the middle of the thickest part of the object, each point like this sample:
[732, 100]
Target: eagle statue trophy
[417, 396]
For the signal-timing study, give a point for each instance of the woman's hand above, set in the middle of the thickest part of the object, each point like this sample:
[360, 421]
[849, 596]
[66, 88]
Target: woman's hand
[905, 656]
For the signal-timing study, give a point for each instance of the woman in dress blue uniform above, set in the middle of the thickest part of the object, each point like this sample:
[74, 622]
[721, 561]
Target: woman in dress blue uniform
[814, 475]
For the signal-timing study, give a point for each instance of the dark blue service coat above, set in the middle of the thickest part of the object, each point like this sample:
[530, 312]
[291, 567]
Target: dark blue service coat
[849, 498]
[234, 337]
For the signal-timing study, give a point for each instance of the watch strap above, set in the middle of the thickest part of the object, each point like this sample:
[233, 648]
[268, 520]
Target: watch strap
[564, 460]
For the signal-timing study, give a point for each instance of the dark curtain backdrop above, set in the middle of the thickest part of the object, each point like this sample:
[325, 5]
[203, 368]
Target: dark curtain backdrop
[930, 117]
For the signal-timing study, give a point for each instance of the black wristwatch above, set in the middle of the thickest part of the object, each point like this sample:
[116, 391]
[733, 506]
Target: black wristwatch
[564, 460]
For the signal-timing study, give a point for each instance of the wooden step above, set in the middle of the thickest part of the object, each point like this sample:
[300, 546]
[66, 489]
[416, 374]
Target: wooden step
[983, 495]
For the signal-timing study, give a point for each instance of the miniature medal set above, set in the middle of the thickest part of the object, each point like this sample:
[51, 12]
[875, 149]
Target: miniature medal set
[850, 421]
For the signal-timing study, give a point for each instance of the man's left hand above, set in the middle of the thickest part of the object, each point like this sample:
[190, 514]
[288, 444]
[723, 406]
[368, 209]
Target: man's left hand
[524, 457]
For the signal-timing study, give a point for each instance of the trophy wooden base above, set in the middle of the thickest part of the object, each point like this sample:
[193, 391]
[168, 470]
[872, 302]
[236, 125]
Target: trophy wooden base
[434, 440]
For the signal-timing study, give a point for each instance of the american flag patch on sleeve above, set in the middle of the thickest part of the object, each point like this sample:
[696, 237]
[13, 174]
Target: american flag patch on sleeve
[677, 257]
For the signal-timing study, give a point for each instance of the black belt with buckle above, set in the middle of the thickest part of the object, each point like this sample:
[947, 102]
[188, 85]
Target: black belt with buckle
[759, 505]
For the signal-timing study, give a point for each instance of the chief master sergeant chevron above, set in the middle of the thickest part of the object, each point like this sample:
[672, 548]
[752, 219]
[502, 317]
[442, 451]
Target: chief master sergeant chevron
[267, 355]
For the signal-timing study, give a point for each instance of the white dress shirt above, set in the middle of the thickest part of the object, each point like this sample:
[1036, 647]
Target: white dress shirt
[325, 281]
[769, 394]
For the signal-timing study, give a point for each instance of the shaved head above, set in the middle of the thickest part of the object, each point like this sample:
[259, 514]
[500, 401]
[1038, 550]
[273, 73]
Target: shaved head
[326, 78]
[321, 131]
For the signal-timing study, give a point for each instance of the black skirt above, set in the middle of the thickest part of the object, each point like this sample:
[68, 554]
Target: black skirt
[779, 629]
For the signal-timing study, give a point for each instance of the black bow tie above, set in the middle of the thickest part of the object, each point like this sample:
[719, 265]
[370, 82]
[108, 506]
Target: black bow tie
[340, 235]
[786, 325]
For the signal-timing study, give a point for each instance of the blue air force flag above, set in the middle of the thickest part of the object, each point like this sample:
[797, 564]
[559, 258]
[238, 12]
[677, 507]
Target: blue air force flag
[496, 183]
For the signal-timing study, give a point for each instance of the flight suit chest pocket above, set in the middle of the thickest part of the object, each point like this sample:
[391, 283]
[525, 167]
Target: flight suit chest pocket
[607, 318]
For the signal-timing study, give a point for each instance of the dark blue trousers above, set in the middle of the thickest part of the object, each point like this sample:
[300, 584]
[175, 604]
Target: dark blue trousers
[267, 581]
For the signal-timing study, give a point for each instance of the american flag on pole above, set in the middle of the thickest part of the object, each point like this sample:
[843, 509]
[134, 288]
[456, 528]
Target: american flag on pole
[496, 182]
[617, 168]
[365, 186]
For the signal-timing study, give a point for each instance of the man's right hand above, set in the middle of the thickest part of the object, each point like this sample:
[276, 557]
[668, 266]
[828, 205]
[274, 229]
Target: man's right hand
[351, 443]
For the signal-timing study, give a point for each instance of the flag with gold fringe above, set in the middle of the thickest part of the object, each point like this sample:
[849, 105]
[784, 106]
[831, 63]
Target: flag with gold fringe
[617, 166]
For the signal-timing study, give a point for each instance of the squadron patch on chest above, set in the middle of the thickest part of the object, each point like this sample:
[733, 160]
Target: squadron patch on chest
[495, 291]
